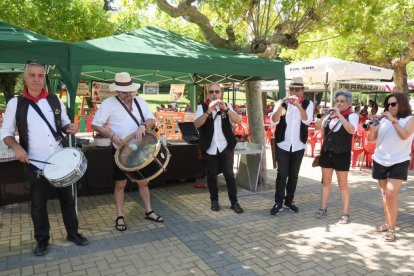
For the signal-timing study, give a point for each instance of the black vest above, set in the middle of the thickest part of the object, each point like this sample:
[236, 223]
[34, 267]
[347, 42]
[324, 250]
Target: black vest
[21, 117]
[206, 131]
[281, 127]
[339, 141]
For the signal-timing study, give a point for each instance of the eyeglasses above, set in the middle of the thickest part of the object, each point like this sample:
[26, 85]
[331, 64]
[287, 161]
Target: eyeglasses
[393, 104]
[34, 62]
[214, 91]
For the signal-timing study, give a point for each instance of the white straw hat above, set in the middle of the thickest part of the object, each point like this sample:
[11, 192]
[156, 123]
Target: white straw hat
[296, 82]
[123, 83]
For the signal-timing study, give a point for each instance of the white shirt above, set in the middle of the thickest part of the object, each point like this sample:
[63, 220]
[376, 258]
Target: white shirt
[42, 143]
[390, 148]
[120, 122]
[353, 119]
[218, 142]
[293, 120]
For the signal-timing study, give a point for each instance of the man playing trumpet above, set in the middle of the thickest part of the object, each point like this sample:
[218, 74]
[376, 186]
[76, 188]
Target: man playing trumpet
[217, 142]
[292, 115]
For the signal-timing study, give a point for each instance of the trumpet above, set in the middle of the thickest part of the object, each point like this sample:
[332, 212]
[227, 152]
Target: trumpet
[330, 112]
[373, 122]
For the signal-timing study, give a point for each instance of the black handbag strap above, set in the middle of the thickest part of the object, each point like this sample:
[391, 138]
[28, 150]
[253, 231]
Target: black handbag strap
[58, 137]
[130, 113]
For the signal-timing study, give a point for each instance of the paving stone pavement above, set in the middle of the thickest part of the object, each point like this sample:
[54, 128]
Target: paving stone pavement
[193, 240]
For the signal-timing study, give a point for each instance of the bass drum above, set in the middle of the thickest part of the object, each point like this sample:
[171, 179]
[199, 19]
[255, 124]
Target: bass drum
[142, 159]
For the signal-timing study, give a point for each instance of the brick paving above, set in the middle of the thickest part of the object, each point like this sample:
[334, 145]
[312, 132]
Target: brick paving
[196, 241]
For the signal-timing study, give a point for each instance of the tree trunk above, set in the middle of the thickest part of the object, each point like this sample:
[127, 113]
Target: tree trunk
[7, 83]
[255, 115]
[400, 78]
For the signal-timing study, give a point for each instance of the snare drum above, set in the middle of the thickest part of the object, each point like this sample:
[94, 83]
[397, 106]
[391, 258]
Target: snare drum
[142, 159]
[66, 167]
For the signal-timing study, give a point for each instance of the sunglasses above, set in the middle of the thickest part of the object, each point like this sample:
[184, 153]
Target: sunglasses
[214, 91]
[123, 92]
[34, 62]
[295, 88]
[391, 104]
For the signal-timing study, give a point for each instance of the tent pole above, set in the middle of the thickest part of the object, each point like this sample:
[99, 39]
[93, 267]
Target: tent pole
[234, 92]
[326, 84]
[193, 97]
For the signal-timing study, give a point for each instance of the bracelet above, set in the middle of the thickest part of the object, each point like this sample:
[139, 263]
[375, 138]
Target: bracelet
[208, 114]
[227, 110]
[394, 122]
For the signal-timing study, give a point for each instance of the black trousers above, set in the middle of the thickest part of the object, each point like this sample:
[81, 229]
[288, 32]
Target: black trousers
[288, 163]
[222, 161]
[39, 196]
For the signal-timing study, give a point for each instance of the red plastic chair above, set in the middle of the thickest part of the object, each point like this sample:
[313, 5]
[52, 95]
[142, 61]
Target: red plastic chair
[314, 137]
[369, 149]
[357, 147]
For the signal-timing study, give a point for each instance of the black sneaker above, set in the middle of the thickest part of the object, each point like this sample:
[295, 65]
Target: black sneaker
[292, 207]
[77, 239]
[276, 209]
[215, 206]
[41, 249]
[236, 207]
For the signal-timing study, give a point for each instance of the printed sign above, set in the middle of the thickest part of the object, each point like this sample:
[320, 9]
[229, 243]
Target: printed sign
[151, 88]
[100, 91]
[83, 89]
[176, 92]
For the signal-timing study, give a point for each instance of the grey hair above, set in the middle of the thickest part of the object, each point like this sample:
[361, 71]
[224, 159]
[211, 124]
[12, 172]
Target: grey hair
[346, 94]
[35, 65]
[213, 83]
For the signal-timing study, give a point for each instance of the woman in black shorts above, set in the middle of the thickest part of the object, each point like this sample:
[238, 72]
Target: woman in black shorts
[394, 136]
[338, 128]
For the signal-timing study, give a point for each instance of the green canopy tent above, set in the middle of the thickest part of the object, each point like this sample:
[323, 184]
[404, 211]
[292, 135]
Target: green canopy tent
[17, 45]
[150, 54]
[153, 54]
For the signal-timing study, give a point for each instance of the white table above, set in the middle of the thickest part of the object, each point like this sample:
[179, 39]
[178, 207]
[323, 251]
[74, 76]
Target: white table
[249, 163]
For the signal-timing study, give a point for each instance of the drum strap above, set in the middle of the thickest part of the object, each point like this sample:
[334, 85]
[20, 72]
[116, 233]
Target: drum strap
[130, 113]
[58, 137]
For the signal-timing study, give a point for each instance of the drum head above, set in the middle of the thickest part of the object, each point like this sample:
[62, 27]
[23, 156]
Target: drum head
[136, 154]
[62, 164]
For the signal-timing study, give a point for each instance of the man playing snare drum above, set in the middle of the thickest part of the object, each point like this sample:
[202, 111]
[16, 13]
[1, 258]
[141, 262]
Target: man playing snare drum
[114, 111]
[37, 142]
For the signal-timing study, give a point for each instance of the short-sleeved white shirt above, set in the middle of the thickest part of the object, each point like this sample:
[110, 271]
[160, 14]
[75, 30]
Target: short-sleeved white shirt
[353, 119]
[120, 122]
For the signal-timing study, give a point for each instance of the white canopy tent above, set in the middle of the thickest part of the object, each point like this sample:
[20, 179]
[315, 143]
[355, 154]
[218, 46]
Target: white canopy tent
[328, 70]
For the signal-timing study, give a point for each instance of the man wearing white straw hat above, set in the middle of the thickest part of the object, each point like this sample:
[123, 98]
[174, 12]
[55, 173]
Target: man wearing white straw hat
[292, 115]
[114, 111]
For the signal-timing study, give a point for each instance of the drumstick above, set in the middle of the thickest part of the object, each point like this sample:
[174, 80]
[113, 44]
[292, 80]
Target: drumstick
[43, 162]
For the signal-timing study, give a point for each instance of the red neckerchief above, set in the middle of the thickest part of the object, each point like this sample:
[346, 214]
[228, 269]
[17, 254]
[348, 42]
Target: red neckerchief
[344, 113]
[43, 95]
[300, 101]
[207, 102]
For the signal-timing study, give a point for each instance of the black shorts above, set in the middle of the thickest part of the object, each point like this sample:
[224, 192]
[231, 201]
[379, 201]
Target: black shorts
[117, 174]
[396, 171]
[336, 161]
